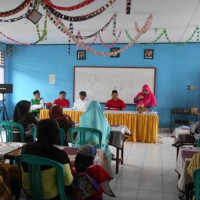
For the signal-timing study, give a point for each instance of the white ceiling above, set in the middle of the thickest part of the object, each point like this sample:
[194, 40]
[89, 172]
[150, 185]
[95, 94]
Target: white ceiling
[178, 17]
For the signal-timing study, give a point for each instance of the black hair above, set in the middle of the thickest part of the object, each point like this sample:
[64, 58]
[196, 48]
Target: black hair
[83, 162]
[62, 92]
[21, 109]
[82, 93]
[36, 91]
[114, 91]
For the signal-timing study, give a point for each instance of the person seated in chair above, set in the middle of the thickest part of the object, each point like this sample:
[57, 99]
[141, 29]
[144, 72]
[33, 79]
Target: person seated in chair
[82, 102]
[115, 103]
[95, 118]
[37, 103]
[47, 135]
[62, 101]
[27, 119]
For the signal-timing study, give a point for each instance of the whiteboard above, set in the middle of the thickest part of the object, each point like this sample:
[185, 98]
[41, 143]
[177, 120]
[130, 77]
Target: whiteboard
[98, 82]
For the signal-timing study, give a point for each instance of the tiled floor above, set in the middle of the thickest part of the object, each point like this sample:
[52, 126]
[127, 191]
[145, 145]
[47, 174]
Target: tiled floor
[148, 172]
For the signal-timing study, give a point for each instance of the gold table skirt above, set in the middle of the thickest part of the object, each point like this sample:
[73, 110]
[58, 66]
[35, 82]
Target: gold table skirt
[144, 127]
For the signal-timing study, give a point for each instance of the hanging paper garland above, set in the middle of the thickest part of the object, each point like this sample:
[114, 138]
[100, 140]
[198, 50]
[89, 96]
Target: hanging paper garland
[114, 26]
[100, 30]
[16, 10]
[128, 7]
[164, 32]
[113, 44]
[69, 41]
[79, 18]
[75, 7]
[59, 24]
[80, 38]
[17, 42]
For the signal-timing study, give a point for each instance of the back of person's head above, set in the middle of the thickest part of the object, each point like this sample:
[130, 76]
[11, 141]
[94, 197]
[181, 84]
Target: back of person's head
[85, 157]
[62, 92]
[21, 108]
[114, 91]
[47, 132]
[36, 92]
[94, 105]
[55, 111]
[82, 93]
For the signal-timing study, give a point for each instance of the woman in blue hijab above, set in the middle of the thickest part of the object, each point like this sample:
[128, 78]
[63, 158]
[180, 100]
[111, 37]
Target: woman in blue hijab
[94, 118]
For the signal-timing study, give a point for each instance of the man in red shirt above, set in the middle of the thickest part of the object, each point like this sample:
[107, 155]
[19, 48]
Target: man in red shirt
[61, 100]
[115, 103]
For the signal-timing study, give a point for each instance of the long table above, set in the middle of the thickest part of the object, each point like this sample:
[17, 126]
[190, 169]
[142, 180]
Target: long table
[144, 127]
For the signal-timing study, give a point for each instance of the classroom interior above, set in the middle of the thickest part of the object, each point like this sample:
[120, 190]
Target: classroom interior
[148, 171]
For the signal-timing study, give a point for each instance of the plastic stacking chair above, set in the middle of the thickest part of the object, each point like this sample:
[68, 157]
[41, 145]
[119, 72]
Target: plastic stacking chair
[9, 128]
[78, 136]
[61, 131]
[196, 177]
[34, 164]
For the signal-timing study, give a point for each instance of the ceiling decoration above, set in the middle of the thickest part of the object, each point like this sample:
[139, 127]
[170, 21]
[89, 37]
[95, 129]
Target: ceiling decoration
[16, 10]
[79, 18]
[70, 8]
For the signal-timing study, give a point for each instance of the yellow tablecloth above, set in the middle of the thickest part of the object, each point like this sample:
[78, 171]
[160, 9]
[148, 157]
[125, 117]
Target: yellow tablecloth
[144, 127]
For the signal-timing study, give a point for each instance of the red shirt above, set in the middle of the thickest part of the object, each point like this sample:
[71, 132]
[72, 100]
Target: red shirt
[62, 102]
[100, 175]
[115, 105]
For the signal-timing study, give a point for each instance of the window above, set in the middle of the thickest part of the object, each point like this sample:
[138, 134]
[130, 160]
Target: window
[2, 64]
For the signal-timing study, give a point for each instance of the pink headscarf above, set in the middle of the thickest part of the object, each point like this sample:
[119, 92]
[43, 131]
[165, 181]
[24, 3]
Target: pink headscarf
[148, 100]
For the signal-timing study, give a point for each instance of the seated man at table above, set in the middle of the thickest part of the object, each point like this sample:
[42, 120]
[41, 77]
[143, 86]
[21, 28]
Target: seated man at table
[82, 102]
[62, 101]
[37, 103]
[115, 103]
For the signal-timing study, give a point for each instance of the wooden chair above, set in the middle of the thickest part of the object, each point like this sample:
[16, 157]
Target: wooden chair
[78, 136]
[34, 164]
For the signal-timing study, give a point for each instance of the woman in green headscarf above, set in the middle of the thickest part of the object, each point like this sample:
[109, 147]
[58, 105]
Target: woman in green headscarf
[94, 118]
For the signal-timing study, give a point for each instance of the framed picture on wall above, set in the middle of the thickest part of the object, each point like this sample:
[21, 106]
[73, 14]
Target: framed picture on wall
[115, 49]
[148, 54]
[81, 54]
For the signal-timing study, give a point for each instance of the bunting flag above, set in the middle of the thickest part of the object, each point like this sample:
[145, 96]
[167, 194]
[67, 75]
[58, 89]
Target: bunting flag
[128, 7]
[59, 24]
[71, 8]
[16, 10]
[20, 17]
[79, 18]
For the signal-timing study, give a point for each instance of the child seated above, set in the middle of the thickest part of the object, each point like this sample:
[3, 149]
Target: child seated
[84, 163]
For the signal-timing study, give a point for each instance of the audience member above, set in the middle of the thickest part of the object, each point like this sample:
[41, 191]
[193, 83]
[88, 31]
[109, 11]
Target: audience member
[25, 118]
[82, 102]
[94, 118]
[37, 103]
[84, 162]
[64, 121]
[115, 103]
[47, 134]
[62, 101]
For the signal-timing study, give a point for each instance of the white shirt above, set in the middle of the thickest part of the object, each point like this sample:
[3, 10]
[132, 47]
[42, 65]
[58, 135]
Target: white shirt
[81, 104]
[40, 106]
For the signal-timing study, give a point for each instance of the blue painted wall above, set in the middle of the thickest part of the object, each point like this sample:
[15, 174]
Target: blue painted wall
[177, 67]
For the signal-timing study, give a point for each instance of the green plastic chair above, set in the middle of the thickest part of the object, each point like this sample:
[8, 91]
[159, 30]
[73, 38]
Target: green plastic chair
[34, 164]
[61, 131]
[78, 136]
[9, 128]
[196, 177]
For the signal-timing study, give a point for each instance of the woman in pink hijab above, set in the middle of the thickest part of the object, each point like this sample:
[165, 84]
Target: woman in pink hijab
[145, 98]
